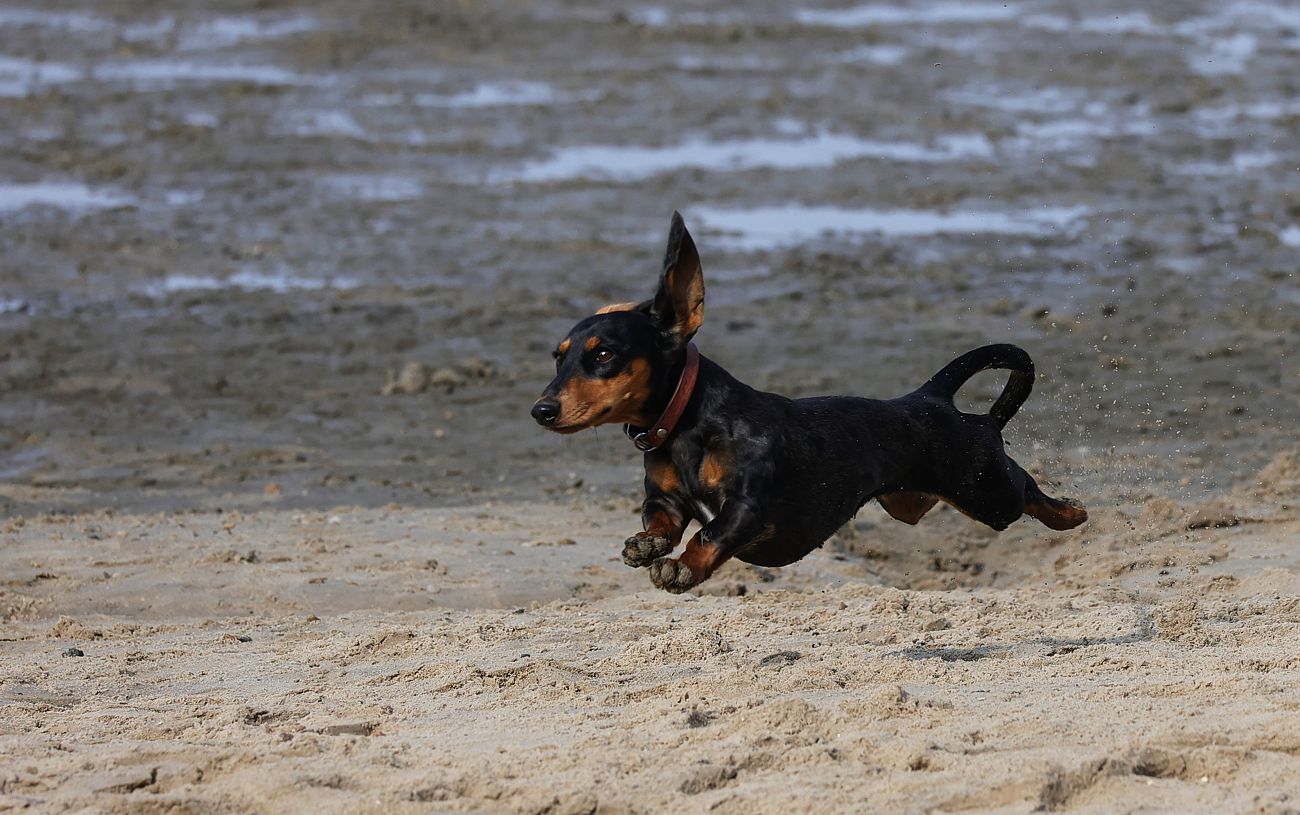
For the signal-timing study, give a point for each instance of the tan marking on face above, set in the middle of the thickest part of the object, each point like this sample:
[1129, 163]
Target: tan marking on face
[564, 346]
[663, 475]
[587, 402]
[713, 471]
[613, 307]
[591, 343]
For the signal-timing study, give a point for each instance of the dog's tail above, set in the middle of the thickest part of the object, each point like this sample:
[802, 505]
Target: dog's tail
[1003, 357]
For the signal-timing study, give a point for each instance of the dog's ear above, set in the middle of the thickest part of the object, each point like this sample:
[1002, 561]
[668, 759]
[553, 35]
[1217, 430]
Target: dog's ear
[613, 307]
[678, 306]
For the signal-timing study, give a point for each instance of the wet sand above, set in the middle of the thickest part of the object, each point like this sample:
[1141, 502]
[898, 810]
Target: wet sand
[279, 283]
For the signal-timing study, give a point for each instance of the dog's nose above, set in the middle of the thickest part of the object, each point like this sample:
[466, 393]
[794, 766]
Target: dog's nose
[546, 411]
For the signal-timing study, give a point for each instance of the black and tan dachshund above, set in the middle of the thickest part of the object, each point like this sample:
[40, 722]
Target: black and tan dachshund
[769, 478]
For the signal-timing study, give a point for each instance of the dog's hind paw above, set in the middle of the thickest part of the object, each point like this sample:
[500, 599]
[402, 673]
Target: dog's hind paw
[642, 548]
[1059, 514]
[672, 575]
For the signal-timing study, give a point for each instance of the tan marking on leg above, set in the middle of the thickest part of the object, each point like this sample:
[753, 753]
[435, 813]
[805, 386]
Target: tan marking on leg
[908, 507]
[1058, 515]
[664, 525]
[702, 558]
[713, 471]
[769, 532]
[663, 475]
[959, 509]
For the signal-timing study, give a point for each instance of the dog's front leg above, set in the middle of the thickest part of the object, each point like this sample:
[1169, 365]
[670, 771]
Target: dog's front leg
[664, 524]
[739, 522]
[662, 516]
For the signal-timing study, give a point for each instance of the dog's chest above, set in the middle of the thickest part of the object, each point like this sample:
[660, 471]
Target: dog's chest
[700, 481]
[705, 509]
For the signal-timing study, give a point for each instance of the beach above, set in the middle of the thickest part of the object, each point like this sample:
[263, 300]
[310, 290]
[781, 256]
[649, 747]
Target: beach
[280, 283]
[1146, 659]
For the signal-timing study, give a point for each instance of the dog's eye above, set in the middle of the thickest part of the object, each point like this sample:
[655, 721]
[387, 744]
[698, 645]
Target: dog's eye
[604, 355]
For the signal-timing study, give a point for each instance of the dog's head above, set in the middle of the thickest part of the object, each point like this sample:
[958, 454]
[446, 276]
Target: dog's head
[614, 366]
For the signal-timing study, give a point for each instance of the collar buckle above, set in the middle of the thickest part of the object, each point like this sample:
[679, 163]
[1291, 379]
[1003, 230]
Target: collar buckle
[657, 434]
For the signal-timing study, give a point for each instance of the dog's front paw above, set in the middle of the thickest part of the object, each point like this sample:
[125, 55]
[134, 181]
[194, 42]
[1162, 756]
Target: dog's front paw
[642, 548]
[672, 575]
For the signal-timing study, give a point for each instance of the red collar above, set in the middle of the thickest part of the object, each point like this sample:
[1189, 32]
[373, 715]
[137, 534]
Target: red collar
[653, 437]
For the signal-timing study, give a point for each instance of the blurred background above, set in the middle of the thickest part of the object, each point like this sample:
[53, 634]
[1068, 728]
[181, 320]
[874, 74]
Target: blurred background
[317, 254]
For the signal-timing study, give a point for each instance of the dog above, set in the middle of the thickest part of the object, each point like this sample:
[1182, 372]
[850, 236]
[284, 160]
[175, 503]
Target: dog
[769, 478]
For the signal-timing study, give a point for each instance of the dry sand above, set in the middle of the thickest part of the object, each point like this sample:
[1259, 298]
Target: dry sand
[279, 281]
[1145, 662]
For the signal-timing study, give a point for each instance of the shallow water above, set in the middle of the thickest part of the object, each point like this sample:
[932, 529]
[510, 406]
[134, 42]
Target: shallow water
[71, 20]
[166, 73]
[771, 227]
[20, 77]
[899, 14]
[64, 195]
[363, 187]
[222, 32]
[819, 150]
[279, 280]
[494, 94]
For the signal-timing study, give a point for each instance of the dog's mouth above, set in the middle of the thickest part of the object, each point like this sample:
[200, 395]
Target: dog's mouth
[566, 429]
[583, 422]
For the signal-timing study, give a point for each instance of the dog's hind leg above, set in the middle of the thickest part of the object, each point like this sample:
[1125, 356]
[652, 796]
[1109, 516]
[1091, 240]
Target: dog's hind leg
[1054, 513]
[1000, 504]
[908, 507]
[992, 495]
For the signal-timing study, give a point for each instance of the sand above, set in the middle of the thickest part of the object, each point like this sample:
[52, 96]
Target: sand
[279, 282]
[309, 662]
